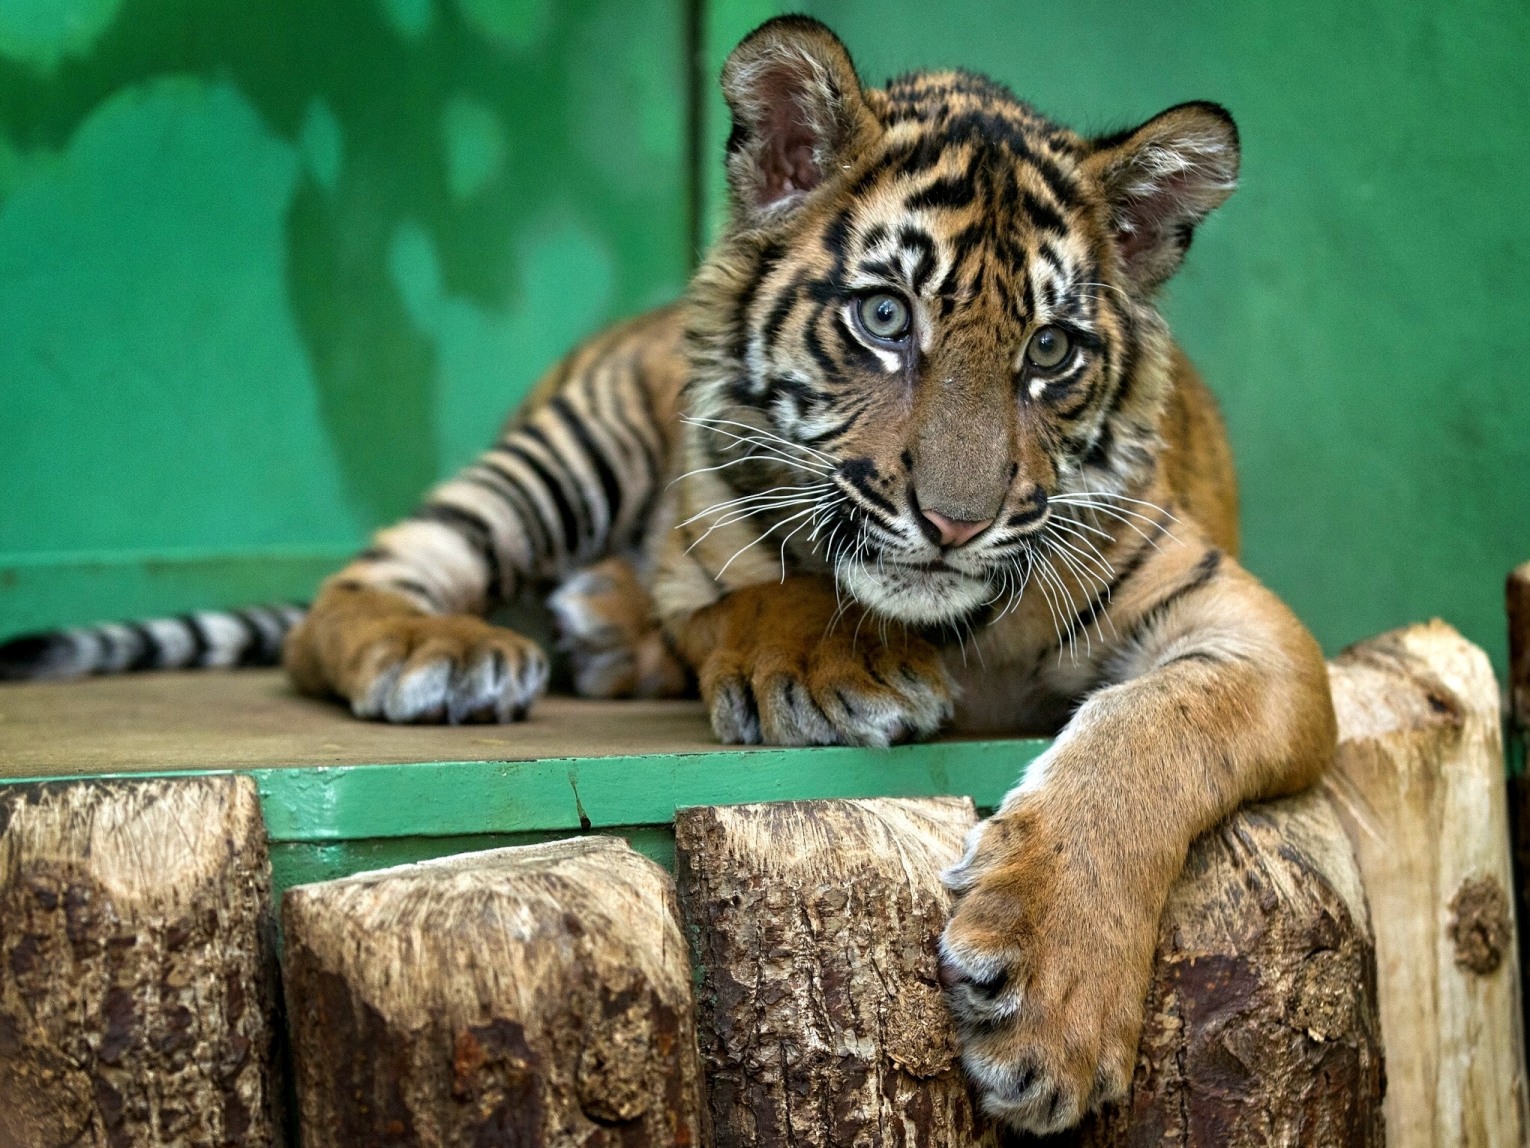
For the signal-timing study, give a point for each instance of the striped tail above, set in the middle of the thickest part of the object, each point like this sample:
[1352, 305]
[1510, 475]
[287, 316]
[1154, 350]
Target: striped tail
[206, 639]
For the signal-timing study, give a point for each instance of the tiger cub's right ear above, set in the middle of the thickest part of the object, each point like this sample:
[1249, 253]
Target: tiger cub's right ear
[797, 112]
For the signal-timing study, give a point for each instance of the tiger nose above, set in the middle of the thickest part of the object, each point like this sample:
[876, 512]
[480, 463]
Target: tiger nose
[954, 531]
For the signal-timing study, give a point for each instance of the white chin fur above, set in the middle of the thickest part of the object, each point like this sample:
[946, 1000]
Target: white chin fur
[911, 594]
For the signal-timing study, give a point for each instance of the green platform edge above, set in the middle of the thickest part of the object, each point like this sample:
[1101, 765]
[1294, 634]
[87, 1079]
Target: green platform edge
[325, 822]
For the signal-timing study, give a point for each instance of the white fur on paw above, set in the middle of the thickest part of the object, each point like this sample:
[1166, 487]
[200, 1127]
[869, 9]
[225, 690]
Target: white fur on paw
[491, 686]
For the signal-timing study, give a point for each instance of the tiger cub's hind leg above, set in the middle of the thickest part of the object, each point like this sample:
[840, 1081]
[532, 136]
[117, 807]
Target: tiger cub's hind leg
[606, 626]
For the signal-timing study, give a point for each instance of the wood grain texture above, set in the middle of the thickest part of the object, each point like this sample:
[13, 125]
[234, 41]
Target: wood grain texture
[243, 719]
[1419, 782]
[816, 924]
[137, 978]
[530, 996]
[1262, 1024]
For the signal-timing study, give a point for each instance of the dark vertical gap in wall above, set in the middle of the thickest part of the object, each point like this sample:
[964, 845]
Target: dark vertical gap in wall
[695, 126]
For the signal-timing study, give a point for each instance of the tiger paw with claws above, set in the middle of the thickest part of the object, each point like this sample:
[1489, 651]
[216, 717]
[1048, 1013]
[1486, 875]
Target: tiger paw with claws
[1046, 964]
[393, 662]
[784, 666]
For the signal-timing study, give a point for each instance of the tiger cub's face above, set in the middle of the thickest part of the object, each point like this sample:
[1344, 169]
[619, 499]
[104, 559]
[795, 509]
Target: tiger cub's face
[926, 344]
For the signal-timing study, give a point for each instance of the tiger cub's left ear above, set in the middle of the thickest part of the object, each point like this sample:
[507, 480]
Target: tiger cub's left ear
[798, 114]
[1160, 180]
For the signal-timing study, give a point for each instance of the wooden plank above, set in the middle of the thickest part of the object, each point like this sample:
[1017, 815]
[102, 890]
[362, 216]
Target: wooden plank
[137, 981]
[576, 765]
[1419, 781]
[251, 719]
[531, 996]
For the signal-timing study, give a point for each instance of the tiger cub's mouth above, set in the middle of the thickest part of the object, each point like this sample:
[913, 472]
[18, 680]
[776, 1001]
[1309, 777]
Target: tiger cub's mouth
[923, 593]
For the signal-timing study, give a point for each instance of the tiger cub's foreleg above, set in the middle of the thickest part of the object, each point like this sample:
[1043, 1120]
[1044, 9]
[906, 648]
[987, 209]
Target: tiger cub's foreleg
[1219, 697]
[399, 633]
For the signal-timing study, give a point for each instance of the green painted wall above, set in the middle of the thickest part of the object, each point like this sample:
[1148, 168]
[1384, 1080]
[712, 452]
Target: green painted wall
[267, 269]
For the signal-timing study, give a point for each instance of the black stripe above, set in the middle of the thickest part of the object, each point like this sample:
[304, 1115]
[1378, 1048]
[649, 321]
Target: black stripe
[569, 480]
[1204, 571]
[486, 476]
[252, 652]
[838, 430]
[149, 649]
[566, 517]
[475, 532]
[1042, 215]
[949, 192]
[610, 485]
[200, 642]
[859, 472]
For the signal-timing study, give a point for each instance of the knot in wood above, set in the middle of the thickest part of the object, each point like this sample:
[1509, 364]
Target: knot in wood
[1479, 924]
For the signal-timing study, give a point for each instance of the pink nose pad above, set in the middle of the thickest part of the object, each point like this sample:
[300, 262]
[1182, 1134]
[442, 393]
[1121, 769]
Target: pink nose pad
[953, 531]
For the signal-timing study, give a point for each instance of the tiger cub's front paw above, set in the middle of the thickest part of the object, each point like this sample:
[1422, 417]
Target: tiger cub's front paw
[401, 665]
[1046, 964]
[786, 673]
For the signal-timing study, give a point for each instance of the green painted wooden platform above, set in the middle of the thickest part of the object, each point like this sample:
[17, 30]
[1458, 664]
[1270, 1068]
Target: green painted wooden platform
[341, 796]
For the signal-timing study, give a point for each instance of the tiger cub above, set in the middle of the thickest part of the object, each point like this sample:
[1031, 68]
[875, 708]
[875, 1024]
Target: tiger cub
[917, 452]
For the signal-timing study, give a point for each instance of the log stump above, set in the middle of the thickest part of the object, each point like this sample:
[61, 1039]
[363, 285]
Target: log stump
[1419, 782]
[533, 996]
[1262, 1024]
[821, 1017]
[137, 966]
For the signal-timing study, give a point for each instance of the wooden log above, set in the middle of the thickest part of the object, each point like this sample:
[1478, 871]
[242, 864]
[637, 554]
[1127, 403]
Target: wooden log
[821, 1017]
[137, 966]
[530, 996]
[1517, 601]
[816, 925]
[1262, 1024]
[1419, 782]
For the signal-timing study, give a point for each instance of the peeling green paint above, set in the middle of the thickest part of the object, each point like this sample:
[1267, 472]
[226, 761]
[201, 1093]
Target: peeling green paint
[518, 25]
[113, 349]
[474, 142]
[42, 32]
[322, 144]
[411, 19]
[213, 354]
[488, 357]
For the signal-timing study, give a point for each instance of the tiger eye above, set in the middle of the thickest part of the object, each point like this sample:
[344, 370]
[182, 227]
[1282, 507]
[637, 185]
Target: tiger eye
[1049, 348]
[884, 316]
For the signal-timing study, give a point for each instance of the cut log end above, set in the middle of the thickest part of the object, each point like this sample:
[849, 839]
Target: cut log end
[537, 995]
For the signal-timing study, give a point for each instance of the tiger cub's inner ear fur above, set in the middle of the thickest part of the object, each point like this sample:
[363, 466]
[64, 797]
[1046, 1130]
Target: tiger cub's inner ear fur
[1161, 180]
[797, 110]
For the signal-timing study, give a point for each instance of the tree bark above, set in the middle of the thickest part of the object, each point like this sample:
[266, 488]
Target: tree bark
[1517, 599]
[529, 996]
[821, 1017]
[1419, 783]
[1261, 1026]
[137, 983]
